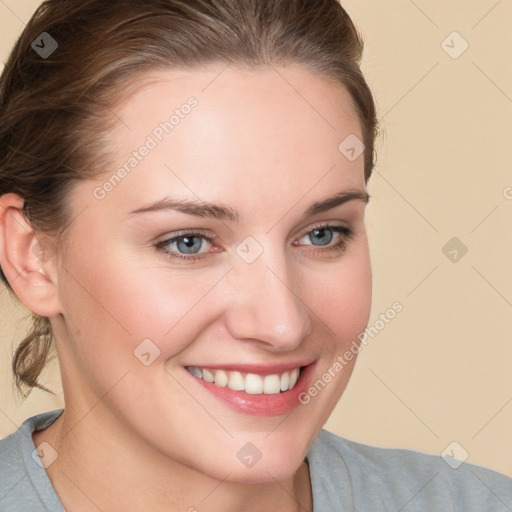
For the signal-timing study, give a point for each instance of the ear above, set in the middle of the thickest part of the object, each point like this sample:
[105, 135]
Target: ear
[26, 262]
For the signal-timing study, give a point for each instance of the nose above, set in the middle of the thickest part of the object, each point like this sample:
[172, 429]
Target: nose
[266, 306]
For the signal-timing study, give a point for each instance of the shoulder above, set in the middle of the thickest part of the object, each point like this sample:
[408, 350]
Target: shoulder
[372, 478]
[24, 484]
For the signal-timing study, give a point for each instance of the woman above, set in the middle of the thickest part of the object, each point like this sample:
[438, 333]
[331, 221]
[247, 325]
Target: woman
[183, 188]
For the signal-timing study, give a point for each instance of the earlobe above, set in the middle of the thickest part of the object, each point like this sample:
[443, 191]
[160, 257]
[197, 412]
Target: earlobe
[31, 274]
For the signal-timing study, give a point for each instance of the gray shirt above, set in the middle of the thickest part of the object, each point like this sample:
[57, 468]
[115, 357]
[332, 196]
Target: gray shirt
[345, 476]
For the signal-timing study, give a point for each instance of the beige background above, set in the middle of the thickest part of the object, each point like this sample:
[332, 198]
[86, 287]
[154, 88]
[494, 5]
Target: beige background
[440, 371]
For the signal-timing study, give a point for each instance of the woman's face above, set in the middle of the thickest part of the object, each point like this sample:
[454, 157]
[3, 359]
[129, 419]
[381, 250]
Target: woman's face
[266, 278]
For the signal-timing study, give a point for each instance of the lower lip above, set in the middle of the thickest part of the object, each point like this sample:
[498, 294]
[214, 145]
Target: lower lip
[261, 405]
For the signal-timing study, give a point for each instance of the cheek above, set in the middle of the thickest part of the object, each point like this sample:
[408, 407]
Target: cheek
[113, 302]
[341, 296]
[341, 301]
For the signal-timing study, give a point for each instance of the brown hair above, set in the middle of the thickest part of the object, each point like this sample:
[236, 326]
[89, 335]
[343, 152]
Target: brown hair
[54, 109]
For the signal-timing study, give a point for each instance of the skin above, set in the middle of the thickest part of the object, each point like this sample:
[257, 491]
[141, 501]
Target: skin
[268, 151]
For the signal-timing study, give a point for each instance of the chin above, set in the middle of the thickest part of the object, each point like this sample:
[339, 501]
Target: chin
[280, 456]
[257, 458]
[268, 472]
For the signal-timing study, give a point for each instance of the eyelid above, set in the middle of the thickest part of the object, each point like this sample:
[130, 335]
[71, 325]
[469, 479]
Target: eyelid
[211, 236]
[342, 233]
[343, 230]
[187, 232]
[325, 224]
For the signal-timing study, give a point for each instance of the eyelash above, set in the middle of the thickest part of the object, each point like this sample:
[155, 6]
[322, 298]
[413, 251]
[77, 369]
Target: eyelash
[338, 247]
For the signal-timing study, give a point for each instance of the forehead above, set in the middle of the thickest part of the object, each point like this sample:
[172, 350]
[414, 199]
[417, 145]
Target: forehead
[235, 130]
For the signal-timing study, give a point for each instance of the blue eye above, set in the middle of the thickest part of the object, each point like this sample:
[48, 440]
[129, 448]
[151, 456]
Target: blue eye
[322, 236]
[190, 246]
[186, 246]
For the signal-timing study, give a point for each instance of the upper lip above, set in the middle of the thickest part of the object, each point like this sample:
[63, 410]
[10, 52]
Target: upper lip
[259, 369]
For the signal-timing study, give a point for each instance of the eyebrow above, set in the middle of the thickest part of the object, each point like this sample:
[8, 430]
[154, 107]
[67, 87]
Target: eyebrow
[206, 209]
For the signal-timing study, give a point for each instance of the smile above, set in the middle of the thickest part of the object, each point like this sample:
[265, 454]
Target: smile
[250, 383]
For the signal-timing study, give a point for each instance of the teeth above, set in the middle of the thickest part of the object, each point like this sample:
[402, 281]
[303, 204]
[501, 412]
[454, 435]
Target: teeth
[207, 375]
[294, 375]
[271, 385]
[221, 378]
[252, 383]
[236, 381]
[194, 370]
[285, 381]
